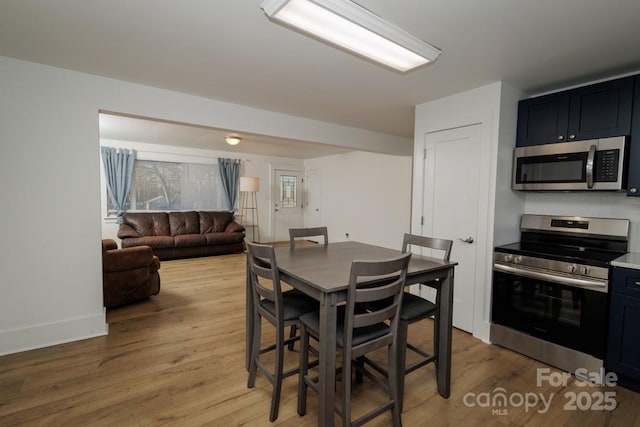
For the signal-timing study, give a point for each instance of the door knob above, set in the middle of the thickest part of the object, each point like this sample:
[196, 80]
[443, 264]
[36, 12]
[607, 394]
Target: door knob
[467, 240]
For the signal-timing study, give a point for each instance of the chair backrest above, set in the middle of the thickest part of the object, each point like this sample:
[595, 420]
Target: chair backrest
[307, 232]
[427, 242]
[387, 292]
[264, 275]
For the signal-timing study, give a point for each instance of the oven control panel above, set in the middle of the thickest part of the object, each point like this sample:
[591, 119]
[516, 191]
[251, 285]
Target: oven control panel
[551, 266]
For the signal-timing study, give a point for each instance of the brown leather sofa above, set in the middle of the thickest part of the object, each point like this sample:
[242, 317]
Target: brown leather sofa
[183, 234]
[128, 275]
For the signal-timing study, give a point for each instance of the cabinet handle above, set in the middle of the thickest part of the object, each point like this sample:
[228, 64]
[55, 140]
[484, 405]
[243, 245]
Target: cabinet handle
[560, 137]
[572, 137]
[633, 190]
[637, 283]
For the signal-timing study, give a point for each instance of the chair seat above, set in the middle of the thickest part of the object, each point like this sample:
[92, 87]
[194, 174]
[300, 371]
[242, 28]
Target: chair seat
[360, 335]
[415, 307]
[294, 296]
[292, 307]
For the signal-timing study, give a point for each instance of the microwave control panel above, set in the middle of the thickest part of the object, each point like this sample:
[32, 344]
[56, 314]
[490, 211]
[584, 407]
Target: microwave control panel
[606, 165]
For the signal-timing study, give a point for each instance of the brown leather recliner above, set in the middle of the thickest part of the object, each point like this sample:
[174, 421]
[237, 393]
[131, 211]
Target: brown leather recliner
[129, 274]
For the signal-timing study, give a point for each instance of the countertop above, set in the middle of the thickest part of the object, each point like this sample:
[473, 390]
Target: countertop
[630, 260]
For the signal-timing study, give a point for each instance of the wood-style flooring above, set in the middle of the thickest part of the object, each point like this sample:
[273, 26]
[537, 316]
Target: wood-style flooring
[178, 360]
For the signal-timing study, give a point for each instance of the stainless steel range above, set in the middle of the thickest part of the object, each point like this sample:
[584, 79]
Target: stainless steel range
[550, 290]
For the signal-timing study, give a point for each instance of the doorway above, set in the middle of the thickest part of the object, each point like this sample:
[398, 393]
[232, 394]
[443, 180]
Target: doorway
[451, 207]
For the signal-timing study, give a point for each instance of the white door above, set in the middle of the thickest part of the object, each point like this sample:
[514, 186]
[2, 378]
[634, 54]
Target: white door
[313, 186]
[287, 202]
[450, 207]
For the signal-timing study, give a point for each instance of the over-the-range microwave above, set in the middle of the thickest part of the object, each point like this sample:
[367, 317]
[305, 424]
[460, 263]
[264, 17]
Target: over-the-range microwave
[596, 164]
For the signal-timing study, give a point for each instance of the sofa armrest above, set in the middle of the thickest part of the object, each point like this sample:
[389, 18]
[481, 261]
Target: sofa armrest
[233, 227]
[109, 244]
[126, 230]
[127, 259]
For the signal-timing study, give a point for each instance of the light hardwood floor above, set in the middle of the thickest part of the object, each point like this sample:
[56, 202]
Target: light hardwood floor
[178, 360]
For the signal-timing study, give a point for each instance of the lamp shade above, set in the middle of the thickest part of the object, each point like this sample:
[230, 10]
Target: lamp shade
[249, 184]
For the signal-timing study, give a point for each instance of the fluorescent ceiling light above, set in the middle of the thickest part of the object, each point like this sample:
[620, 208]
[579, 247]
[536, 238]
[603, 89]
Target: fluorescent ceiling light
[348, 25]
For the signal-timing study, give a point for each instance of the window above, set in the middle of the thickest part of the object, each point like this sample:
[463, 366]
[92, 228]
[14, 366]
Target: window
[159, 186]
[288, 191]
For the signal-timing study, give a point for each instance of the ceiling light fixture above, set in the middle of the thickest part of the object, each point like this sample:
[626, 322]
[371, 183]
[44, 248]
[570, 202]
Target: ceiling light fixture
[233, 140]
[350, 26]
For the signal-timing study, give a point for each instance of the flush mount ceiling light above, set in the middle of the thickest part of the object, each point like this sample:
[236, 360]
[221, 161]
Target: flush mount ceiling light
[233, 140]
[352, 27]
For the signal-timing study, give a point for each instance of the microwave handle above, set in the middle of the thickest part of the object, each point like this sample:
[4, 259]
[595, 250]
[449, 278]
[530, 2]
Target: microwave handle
[590, 159]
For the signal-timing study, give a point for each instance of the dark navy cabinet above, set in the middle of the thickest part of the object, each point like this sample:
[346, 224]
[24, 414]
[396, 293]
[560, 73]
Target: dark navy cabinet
[633, 177]
[594, 111]
[543, 120]
[623, 342]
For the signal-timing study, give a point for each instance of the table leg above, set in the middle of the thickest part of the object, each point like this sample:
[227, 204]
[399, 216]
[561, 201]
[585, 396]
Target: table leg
[444, 335]
[249, 318]
[327, 362]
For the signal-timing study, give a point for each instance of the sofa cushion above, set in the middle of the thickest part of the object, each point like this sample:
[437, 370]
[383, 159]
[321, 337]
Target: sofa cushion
[153, 241]
[218, 238]
[184, 223]
[147, 223]
[214, 222]
[184, 240]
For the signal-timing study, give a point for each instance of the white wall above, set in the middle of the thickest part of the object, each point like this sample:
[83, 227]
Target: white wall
[252, 165]
[366, 195]
[50, 259]
[483, 106]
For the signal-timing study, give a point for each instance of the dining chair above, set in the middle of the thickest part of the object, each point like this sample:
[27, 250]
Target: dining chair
[295, 233]
[359, 332]
[307, 232]
[414, 309]
[281, 309]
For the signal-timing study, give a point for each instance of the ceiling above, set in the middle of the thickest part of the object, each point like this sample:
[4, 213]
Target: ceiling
[229, 50]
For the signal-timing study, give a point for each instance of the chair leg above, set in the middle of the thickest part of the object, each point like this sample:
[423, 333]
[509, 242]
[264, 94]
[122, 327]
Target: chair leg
[255, 350]
[436, 338]
[292, 334]
[403, 328]
[277, 375]
[394, 388]
[346, 389]
[303, 369]
[359, 374]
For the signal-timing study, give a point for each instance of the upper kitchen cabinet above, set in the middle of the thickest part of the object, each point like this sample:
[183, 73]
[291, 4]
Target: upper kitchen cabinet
[633, 176]
[543, 120]
[595, 111]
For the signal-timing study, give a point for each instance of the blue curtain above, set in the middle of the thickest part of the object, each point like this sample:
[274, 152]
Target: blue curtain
[230, 176]
[118, 167]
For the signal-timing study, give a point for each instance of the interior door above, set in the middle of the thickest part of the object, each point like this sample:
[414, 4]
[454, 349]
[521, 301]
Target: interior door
[287, 202]
[450, 207]
[313, 186]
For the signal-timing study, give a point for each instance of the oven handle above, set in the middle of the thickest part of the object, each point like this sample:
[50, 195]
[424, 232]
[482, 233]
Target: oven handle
[569, 281]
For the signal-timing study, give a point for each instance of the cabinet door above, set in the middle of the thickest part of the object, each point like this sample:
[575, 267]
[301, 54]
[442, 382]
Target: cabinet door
[633, 180]
[623, 347]
[543, 120]
[601, 110]
[625, 281]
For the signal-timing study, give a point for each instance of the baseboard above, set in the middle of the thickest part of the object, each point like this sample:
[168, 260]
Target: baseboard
[48, 334]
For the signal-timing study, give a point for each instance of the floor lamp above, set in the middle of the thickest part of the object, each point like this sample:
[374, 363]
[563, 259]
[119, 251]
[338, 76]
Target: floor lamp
[249, 186]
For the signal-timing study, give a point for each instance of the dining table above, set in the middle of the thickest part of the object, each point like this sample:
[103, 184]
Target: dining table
[322, 272]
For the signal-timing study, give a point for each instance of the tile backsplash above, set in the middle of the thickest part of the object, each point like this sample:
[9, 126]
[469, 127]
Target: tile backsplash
[590, 204]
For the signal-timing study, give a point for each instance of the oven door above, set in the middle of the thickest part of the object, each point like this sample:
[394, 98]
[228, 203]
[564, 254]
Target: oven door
[569, 316]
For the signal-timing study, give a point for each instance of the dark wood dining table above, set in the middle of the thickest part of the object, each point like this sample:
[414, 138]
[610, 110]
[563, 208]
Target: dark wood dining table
[322, 272]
